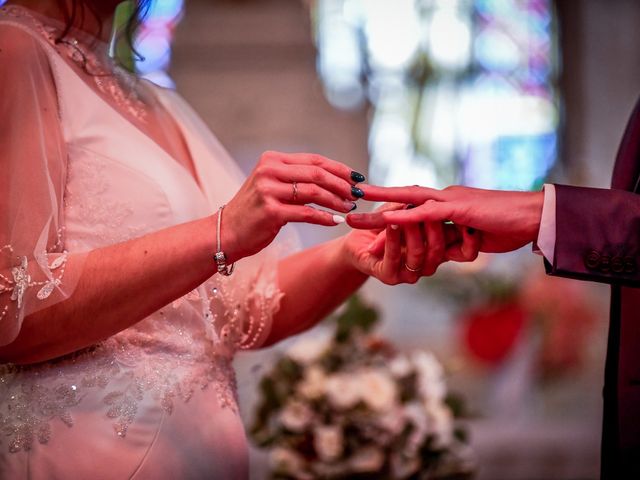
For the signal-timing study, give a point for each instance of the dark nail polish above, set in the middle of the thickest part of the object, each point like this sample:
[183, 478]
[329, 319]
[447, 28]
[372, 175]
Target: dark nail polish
[353, 207]
[356, 192]
[410, 206]
[471, 230]
[357, 177]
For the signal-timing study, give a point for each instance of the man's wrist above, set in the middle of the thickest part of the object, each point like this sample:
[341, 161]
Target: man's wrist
[535, 203]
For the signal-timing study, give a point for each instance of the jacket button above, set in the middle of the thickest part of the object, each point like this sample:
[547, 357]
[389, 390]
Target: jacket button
[617, 264]
[592, 260]
[630, 265]
[605, 263]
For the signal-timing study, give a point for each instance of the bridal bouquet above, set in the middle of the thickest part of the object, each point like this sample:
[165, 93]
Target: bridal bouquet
[348, 406]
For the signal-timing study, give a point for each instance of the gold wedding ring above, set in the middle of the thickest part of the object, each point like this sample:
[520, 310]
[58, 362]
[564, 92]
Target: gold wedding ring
[295, 191]
[412, 270]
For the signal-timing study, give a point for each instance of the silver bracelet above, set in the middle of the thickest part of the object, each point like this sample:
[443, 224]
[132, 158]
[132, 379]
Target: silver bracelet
[220, 257]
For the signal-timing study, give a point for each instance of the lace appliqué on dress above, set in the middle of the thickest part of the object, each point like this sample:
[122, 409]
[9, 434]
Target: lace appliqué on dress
[36, 396]
[21, 279]
[106, 215]
[158, 359]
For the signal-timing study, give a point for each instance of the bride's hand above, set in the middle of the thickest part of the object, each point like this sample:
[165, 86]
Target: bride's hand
[277, 192]
[404, 254]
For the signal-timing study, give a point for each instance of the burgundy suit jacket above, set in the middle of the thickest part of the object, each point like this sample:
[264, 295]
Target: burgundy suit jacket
[598, 239]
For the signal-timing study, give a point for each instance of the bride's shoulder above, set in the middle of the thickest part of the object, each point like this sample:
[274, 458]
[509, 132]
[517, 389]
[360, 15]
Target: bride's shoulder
[22, 36]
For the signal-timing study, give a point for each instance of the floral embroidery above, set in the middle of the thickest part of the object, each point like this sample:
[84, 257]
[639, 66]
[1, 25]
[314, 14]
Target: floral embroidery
[158, 359]
[22, 276]
[101, 209]
[21, 281]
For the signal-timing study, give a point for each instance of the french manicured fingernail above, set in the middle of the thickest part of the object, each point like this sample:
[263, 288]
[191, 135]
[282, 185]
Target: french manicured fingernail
[357, 177]
[349, 205]
[356, 192]
[337, 219]
[394, 227]
[471, 230]
[410, 206]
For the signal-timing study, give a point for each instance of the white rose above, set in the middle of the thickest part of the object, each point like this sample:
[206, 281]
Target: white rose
[367, 459]
[309, 348]
[431, 384]
[328, 442]
[313, 384]
[441, 423]
[400, 366]
[342, 391]
[378, 390]
[296, 416]
[285, 460]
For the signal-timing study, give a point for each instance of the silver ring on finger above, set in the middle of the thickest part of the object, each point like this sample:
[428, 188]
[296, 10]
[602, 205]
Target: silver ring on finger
[295, 191]
[412, 270]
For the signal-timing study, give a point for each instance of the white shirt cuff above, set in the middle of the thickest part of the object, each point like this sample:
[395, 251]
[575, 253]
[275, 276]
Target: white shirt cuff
[547, 234]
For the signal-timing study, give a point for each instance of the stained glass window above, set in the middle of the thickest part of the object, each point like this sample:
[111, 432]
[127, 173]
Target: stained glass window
[461, 91]
[153, 42]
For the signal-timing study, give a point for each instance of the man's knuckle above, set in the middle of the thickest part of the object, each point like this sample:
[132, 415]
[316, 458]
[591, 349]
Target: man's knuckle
[262, 171]
[316, 160]
[309, 214]
[317, 175]
[268, 156]
[315, 192]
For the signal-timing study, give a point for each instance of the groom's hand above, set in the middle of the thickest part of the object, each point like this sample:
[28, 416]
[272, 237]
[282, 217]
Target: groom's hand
[402, 254]
[507, 220]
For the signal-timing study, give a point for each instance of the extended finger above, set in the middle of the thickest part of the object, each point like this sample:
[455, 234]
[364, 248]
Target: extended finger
[377, 246]
[303, 193]
[392, 253]
[430, 211]
[435, 241]
[336, 168]
[415, 250]
[373, 220]
[307, 214]
[414, 194]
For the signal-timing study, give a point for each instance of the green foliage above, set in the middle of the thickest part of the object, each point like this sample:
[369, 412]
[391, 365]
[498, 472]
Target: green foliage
[358, 317]
[120, 48]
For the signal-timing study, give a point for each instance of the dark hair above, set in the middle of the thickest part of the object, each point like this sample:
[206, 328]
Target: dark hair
[79, 8]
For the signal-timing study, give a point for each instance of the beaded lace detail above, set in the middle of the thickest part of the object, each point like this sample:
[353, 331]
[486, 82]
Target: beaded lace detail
[157, 359]
[109, 78]
[106, 214]
[21, 280]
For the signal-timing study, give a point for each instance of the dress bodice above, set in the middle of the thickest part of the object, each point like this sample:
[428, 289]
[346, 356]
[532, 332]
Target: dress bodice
[120, 184]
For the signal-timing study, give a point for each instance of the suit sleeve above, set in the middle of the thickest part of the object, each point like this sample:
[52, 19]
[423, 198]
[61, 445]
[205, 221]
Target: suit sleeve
[597, 235]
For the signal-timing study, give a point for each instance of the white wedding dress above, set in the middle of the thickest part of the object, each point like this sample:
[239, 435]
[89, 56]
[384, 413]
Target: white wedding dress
[78, 172]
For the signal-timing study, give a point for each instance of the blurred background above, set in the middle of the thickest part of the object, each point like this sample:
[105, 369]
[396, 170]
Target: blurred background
[505, 94]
